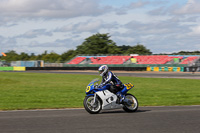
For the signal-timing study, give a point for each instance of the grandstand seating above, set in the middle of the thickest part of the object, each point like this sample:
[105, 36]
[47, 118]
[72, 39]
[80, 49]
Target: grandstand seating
[77, 60]
[155, 59]
[189, 60]
[145, 59]
[109, 60]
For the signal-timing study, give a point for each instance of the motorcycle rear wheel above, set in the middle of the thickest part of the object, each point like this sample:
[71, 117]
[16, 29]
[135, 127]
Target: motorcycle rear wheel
[134, 103]
[90, 107]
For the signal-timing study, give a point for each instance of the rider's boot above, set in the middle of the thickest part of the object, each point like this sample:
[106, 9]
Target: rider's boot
[120, 98]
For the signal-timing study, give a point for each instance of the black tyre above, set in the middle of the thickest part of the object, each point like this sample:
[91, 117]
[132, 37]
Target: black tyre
[132, 104]
[90, 107]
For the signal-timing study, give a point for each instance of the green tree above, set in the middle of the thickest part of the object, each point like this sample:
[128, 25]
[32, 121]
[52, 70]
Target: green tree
[68, 55]
[124, 48]
[187, 53]
[139, 49]
[11, 56]
[98, 44]
[33, 56]
[40, 56]
[52, 57]
[24, 56]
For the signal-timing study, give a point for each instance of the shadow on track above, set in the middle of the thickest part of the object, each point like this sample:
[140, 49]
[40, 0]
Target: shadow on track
[121, 111]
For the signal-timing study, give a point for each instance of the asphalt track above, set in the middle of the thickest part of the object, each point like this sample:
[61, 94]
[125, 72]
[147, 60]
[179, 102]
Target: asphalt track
[176, 119]
[186, 75]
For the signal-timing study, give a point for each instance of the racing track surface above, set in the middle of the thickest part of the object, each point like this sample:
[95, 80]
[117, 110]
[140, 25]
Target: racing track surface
[184, 119]
[187, 75]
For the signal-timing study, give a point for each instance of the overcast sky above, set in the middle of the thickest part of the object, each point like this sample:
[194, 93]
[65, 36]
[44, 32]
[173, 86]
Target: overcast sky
[163, 26]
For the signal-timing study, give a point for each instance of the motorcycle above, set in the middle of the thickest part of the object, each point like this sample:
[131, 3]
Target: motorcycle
[98, 99]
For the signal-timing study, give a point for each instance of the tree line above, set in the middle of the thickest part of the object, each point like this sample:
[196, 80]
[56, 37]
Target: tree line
[95, 44]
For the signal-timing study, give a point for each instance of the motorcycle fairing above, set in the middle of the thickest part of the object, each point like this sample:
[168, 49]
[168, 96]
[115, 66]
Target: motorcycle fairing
[108, 99]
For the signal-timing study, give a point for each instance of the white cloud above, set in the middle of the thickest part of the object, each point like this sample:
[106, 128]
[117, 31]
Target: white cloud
[35, 33]
[34, 26]
[88, 26]
[192, 7]
[195, 31]
[10, 9]
[138, 4]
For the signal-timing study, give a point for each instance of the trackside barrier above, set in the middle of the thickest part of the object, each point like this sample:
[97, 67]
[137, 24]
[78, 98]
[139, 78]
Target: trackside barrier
[19, 68]
[6, 68]
[156, 69]
[88, 68]
[165, 69]
[170, 69]
[148, 68]
[178, 69]
[12, 68]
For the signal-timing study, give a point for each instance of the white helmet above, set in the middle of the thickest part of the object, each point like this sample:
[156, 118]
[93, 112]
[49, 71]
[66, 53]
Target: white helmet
[103, 69]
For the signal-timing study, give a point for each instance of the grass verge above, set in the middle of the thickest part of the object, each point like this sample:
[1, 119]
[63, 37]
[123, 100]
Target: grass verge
[44, 90]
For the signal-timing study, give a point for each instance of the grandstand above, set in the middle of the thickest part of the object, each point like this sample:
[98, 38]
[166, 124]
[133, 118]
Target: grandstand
[109, 60]
[140, 59]
[176, 63]
[77, 60]
[190, 60]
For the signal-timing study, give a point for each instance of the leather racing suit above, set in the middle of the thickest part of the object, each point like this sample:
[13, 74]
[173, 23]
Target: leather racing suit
[111, 82]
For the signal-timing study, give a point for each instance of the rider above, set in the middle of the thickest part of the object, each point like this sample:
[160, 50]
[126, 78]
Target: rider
[113, 82]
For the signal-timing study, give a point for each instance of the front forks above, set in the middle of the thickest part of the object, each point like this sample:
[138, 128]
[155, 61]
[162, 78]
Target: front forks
[93, 102]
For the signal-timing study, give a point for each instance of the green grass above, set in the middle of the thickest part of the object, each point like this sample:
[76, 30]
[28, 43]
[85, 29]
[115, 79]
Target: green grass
[43, 90]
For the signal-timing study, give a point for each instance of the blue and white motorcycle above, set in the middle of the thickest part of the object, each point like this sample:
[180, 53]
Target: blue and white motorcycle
[97, 98]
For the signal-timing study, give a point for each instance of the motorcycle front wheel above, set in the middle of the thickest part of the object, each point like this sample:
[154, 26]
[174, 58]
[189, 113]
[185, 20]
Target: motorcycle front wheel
[132, 104]
[90, 106]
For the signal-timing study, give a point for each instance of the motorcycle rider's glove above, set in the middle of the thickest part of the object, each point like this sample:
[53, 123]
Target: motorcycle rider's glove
[100, 86]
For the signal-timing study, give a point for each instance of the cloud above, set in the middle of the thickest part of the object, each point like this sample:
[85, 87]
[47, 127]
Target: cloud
[34, 26]
[166, 35]
[88, 26]
[91, 25]
[138, 4]
[156, 28]
[158, 11]
[7, 43]
[192, 7]
[133, 5]
[58, 46]
[35, 33]
[16, 9]
[1, 38]
[195, 31]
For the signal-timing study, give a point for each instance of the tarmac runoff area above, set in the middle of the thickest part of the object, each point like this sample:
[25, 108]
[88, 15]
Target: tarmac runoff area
[186, 75]
[162, 119]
